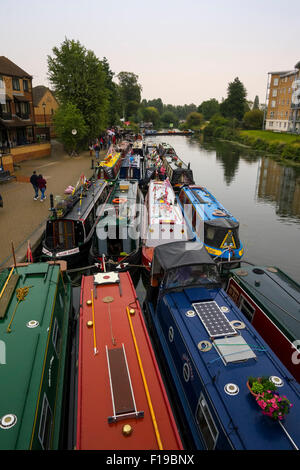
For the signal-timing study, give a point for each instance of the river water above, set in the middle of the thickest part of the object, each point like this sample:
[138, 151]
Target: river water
[262, 194]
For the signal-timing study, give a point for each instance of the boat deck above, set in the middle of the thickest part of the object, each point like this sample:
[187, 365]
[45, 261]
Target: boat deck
[223, 360]
[122, 403]
[207, 204]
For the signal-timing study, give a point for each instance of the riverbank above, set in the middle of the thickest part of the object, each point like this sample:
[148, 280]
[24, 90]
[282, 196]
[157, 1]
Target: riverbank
[282, 147]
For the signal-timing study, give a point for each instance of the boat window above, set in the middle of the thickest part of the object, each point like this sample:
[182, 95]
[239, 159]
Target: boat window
[56, 337]
[45, 429]
[188, 276]
[221, 237]
[206, 424]
[63, 234]
[246, 308]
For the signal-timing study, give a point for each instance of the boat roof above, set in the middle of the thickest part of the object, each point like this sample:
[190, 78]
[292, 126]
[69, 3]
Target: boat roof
[175, 162]
[178, 254]
[110, 160]
[118, 336]
[132, 160]
[25, 347]
[165, 219]
[121, 203]
[81, 206]
[137, 144]
[276, 293]
[206, 205]
[223, 355]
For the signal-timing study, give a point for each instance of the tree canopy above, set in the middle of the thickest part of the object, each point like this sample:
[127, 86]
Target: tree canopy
[78, 77]
[234, 106]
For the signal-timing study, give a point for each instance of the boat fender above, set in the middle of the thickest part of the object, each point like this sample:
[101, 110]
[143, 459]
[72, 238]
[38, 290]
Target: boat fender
[219, 213]
[119, 200]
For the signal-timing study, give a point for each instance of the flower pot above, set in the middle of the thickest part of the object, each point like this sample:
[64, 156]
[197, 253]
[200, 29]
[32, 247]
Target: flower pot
[252, 393]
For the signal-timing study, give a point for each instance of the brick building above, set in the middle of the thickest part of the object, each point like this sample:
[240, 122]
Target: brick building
[45, 105]
[283, 101]
[16, 106]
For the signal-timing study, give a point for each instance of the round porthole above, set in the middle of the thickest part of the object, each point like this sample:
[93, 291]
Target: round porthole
[171, 334]
[8, 421]
[204, 346]
[231, 389]
[32, 324]
[190, 313]
[258, 271]
[224, 309]
[276, 381]
[186, 372]
[237, 324]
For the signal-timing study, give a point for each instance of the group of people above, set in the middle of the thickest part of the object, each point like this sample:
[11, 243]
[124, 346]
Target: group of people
[39, 185]
[103, 143]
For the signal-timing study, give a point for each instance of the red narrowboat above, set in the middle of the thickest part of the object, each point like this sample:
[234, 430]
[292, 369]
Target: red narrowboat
[121, 400]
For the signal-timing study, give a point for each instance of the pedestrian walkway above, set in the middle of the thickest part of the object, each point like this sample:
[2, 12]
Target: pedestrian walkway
[22, 218]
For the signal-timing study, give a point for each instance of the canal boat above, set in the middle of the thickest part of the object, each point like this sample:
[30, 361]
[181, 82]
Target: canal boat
[210, 352]
[166, 149]
[116, 242]
[69, 228]
[35, 315]
[138, 147]
[121, 401]
[109, 168]
[178, 172]
[132, 167]
[163, 222]
[212, 224]
[270, 300]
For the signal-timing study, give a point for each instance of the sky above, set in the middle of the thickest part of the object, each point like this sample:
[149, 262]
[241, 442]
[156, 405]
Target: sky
[183, 51]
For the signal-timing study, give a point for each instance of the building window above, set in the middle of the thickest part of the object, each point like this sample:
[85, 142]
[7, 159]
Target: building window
[271, 123]
[273, 104]
[16, 83]
[45, 429]
[206, 424]
[25, 85]
[275, 81]
[274, 92]
[1, 82]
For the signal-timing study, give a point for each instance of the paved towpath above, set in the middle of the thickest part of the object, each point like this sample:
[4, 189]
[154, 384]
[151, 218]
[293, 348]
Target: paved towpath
[22, 218]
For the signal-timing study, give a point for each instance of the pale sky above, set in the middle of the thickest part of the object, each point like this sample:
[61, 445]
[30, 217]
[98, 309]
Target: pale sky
[182, 51]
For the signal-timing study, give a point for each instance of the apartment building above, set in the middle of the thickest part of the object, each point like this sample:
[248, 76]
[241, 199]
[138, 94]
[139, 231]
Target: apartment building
[283, 101]
[16, 106]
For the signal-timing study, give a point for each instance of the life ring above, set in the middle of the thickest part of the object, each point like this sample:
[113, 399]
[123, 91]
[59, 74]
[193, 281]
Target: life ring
[219, 213]
[119, 200]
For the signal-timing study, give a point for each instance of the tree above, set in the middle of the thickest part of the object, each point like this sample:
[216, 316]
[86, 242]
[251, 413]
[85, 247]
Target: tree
[115, 106]
[78, 77]
[256, 103]
[169, 117]
[209, 108]
[130, 91]
[194, 120]
[234, 105]
[254, 119]
[66, 119]
[151, 114]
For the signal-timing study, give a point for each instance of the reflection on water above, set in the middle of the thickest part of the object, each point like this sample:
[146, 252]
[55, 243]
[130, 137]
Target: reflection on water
[263, 195]
[280, 184]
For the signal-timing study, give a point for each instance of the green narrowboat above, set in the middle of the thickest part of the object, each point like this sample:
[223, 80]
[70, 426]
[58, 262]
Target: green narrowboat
[35, 314]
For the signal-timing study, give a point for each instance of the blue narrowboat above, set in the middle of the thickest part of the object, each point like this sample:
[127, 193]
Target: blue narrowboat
[213, 225]
[132, 167]
[211, 353]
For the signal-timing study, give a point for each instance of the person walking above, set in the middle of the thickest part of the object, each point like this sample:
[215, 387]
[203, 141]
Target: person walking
[42, 187]
[97, 150]
[34, 182]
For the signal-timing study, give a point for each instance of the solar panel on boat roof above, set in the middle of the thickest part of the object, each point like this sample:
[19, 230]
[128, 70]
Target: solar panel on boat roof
[213, 319]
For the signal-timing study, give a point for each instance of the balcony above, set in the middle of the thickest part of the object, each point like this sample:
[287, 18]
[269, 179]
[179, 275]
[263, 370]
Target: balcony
[6, 116]
[23, 115]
